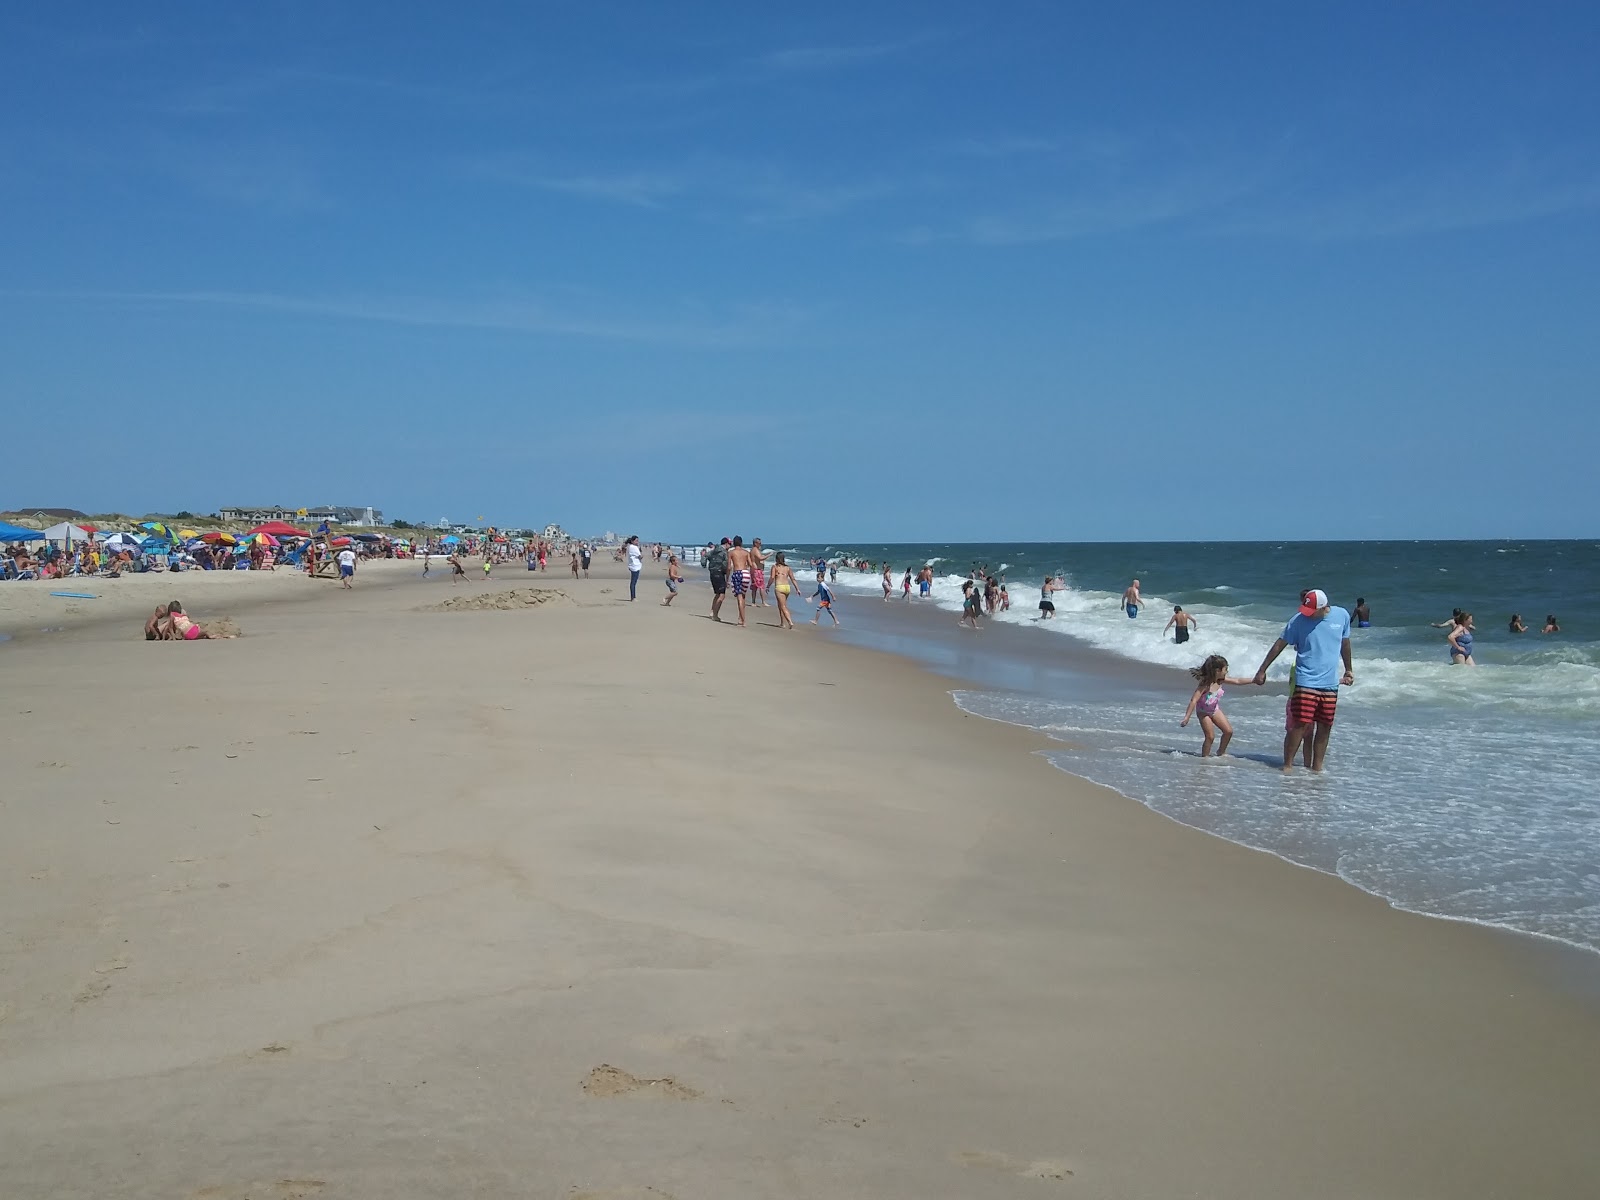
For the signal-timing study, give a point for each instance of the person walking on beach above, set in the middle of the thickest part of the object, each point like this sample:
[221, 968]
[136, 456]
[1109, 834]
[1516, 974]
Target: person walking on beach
[574, 564]
[635, 565]
[1460, 639]
[784, 585]
[1132, 602]
[1047, 591]
[758, 573]
[457, 571]
[887, 582]
[717, 568]
[1180, 623]
[427, 563]
[347, 566]
[971, 604]
[1320, 635]
[584, 554]
[1210, 676]
[739, 573]
[674, 577]
[824, 598]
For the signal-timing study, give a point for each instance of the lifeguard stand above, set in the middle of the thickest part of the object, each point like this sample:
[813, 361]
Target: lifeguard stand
[323, 564]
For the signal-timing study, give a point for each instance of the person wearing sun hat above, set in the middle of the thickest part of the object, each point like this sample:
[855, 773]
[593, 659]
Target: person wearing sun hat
[1320, 635]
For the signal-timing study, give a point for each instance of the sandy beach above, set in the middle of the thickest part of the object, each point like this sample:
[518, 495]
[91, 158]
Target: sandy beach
[580, 898]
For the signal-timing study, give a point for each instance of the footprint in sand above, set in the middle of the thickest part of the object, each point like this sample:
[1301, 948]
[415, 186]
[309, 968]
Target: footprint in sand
[606, 1081]
[1044, 1168]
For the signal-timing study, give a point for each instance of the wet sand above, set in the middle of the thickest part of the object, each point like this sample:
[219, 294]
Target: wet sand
[594, 899]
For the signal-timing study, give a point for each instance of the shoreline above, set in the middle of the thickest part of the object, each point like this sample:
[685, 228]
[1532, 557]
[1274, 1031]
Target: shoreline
[862, 934]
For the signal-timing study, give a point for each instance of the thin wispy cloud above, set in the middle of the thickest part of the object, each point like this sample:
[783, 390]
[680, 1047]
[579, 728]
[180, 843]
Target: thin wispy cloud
[752, 193]
[831, 58]
[748, 325]
[1423, 202]
[639, 189]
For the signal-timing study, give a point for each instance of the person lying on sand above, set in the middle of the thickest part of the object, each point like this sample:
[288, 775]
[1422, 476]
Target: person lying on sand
[185, 629]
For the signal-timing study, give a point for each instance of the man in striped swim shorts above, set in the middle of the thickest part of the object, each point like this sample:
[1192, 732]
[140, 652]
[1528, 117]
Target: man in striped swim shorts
[1320, 635]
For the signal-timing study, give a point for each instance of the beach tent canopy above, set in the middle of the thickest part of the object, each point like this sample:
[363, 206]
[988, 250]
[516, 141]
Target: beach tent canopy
[16, 533]
[450, 539]
[280, 529]
[66, 531]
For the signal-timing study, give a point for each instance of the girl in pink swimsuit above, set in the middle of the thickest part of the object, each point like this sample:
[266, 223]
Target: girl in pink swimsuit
[1207, 701]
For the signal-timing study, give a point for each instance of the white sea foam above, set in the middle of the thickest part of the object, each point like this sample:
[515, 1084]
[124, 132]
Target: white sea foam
[1555, 681]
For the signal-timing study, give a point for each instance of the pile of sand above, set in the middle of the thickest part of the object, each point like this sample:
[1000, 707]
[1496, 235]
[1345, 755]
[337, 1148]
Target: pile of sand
[515, 598]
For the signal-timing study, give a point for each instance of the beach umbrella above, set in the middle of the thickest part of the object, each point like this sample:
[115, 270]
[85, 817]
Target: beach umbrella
[217, 535]
[122, 541]
[156, 527]
[264, 539]
[186, 534]
[66, 532]
[450, 539]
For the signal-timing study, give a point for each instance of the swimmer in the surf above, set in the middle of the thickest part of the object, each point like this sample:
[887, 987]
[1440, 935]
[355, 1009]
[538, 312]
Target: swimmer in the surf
[1180, 624]
[1132, 602]
[1362, 614]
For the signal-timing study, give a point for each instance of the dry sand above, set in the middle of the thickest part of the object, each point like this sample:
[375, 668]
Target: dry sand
[596, 899]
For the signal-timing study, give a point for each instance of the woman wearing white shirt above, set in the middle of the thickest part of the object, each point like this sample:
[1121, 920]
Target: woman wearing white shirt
[635, 565]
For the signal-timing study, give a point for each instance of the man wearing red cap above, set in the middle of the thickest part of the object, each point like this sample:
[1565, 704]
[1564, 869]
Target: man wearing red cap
[1320, 635]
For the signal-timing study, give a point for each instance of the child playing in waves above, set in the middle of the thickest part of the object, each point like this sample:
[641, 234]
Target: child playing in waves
[1207, 700]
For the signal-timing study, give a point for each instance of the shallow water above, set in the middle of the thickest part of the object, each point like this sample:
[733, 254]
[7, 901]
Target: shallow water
[1458, 792]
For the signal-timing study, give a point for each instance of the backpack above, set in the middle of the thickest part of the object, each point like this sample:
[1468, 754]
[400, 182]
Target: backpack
[717, 561]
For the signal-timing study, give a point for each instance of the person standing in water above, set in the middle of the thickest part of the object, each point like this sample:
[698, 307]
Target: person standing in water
[784, 585]
[1207, 701]
[1362, 614]
[1132, 602]
[1460, 639]
[1551, 625]
[1180, 623]
[1047, 592]
[1320, 635]
[905, 586]
[1516, 625]
[888, 582]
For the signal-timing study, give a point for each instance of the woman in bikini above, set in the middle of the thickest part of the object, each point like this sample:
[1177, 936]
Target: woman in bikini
[186, 630]
[784, 584]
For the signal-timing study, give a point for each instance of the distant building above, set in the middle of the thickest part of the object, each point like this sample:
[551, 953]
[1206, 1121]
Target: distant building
[554, 533]
[49, 514]
[333, 514]
[257, 516]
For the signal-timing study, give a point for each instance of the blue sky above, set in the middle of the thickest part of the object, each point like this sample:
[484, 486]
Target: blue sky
[893, 271]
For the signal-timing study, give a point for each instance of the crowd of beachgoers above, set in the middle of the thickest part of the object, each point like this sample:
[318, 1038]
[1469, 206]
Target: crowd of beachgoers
[82, 550]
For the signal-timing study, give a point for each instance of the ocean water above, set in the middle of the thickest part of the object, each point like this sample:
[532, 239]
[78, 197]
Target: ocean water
[1468, 793]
